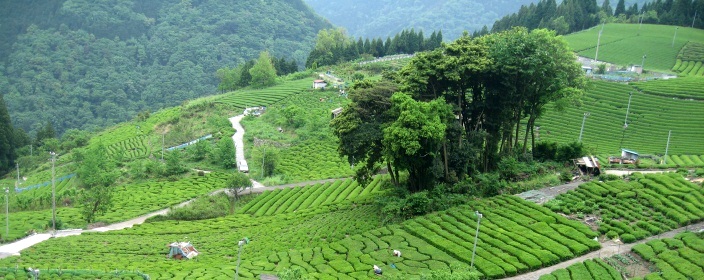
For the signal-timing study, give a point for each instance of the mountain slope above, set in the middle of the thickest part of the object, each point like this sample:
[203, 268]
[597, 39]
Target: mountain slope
[86, 64]
[382, 18]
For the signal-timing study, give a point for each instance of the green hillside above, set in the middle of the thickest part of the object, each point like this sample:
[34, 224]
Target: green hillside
[650, 118]
[625, 44]
[83, 65]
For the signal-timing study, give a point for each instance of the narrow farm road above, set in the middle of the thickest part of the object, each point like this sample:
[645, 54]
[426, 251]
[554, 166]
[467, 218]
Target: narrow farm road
[608, 249]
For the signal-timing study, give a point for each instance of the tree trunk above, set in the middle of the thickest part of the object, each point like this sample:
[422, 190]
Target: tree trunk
[444, 152]
[394, 179]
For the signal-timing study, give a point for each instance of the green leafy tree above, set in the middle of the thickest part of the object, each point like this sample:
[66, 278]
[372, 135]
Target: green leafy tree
[263, 72]
[225, 153]
[96, 173]
[46, 132]
[237, 183]
[270, 159]
[360, 127]
[412, 141]
[174, 163]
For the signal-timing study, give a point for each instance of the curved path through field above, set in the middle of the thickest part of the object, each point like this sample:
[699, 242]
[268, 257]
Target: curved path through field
[608, 249]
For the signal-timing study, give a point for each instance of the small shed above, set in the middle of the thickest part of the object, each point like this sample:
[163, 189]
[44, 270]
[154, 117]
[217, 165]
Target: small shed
[637, 69]
[629, 155]
[337, 111]
[587, 70]
[319, 84]
[179, 250]
[588, 165]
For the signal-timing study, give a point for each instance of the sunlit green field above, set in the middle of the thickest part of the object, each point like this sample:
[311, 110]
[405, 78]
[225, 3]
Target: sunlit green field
[625, 44]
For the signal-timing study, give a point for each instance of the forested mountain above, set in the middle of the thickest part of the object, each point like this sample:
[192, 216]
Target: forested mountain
[383, 18]
[86, 64]
[574, 15]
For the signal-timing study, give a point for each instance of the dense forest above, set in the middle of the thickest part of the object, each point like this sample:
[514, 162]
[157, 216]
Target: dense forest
[382, 18]
[574, 15]
[89, 64]
[333, 46]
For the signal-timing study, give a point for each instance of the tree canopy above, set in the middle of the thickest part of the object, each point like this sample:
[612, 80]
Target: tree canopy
[86, 65]
[462, 107]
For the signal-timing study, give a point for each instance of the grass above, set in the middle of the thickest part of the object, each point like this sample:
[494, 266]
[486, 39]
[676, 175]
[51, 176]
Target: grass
[650, 118]
[625, 44]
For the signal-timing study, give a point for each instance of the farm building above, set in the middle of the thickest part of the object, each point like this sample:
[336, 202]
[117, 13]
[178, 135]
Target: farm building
[629, 155]
[637, 69]
[319, 84]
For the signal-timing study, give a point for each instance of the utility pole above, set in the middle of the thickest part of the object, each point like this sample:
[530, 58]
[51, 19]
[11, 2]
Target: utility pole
[7, 213]
[668, 145]
[675, 36]
[640, 20]
[584, 119]
[628, 109]
[598, 41]
[476, 236]
[694, 18]
[53, 193]
[162, 146]
[642, 64]
[239, 253]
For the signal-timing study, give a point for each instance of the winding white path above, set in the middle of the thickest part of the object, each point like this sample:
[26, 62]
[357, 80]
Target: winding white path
[14, 248]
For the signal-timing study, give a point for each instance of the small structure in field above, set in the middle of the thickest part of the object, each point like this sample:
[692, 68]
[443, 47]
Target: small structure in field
[588, 165]
[336, 112]
[319, 84]
[180, 250]
[627, 157]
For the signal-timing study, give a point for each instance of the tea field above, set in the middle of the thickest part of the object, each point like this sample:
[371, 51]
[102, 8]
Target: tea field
[589, 269]
[341, 240]
[294, 199]
[650, 118]
[307, 149]
[129, 201]
[625, 44]
[681, 257]
[631, 211]
[689, 60]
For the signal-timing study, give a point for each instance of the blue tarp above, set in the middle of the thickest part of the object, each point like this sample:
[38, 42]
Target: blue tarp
[69, 176]
[190, 143]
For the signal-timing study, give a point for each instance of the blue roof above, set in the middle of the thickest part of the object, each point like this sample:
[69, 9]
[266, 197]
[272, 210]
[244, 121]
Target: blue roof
[629, 151]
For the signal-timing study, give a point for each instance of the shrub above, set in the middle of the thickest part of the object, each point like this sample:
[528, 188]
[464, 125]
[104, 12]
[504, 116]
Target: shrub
[611, 234]
[628, 238]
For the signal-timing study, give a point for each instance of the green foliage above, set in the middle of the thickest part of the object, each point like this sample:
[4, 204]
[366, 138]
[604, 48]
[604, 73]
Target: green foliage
[263, 72]
[635, 210]
[7, 142]
[647, 127]
[97, 65]
[224, 153]
[174, 163]
[97, 175]
[237, 183]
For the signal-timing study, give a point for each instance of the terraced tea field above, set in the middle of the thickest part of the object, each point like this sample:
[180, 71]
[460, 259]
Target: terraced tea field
[625, 44]
[265, 97]
[636, 210]
[681, 257]
[589, 269]
[690, 59]
[650, 118]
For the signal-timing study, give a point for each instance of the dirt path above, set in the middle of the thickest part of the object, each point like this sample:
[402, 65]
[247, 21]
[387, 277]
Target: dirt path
[608, 249]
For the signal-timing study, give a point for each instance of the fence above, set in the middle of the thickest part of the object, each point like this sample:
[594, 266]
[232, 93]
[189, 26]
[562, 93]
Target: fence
[189, 143]
[69, 176]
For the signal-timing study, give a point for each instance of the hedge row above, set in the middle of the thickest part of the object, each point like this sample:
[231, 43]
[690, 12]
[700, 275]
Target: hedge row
[648, 206]
[681, 257]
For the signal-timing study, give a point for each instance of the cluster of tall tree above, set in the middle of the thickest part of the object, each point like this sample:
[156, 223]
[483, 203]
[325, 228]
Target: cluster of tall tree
[455, 110]
[333, 46]
[574, 15]
[87, 65]
[257, 73]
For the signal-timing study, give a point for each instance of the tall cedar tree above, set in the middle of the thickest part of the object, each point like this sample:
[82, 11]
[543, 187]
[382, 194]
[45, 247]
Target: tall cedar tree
[7, 141]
